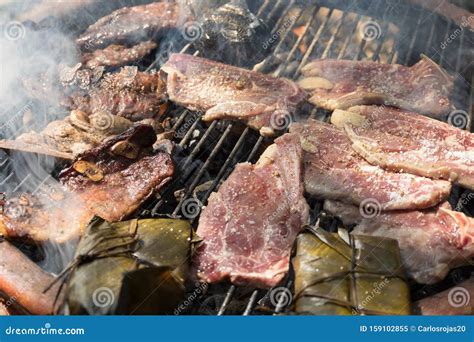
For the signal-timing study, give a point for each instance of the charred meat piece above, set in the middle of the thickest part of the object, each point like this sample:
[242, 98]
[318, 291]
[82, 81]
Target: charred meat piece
[75, 134]
[431, 241]
[116, 177]
[250, 224]
[408, 142]
[54, 216]
[117, 55]
[130, 93]
[110, 181]
[332, 170]
[340, 84]
[24, 282]
[130, 25]
[454, 301]
[265, 103]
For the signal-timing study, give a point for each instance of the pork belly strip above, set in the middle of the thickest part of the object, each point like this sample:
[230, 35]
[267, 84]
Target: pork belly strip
[333, 170]
[130, 25]
[117, 55]
[129, 93]
[431, 241]
[222, 91]
[408, 142]
[250, 224]
[458, 300]
[23, 282]
[423, 87]
[113, 179]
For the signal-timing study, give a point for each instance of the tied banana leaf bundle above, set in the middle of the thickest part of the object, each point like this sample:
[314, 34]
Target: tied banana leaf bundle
[132, 267]
[343, 274]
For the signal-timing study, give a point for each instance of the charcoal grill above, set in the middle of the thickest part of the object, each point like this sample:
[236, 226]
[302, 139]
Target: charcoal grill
[301, 31]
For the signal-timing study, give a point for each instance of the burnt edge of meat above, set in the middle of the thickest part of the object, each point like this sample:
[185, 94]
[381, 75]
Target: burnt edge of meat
[140, 136]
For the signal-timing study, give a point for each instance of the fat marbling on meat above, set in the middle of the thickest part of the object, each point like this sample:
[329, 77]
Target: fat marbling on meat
[223, 91]
[333, 170]
[340, 84]
[408, 142]
[250, 224]
[431, 241]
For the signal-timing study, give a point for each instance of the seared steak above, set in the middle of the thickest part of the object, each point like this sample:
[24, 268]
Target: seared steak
[408, 142]
[130, 25]
[263, 102]
[431, 241]
[117, 55]
[129, 93]
[250, 224]
[340, 84]
[332, 170]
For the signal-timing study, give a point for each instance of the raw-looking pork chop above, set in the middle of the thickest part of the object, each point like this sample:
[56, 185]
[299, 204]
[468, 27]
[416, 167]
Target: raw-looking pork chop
[250, 224]
[408, 142]
[263, 102]
[340, 84]
[431, 241]
[333, 170]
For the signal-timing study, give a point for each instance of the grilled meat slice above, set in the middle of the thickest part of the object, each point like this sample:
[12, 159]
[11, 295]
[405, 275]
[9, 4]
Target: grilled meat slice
[116, 177]
[51, 216]
[340, 84]
[332, 170]
[454, 301]
[117, 55]
[431, 241]
[130, 93]
[130, 25]
[265, 103]
[408, 142]
[250, 224]
[24, 282]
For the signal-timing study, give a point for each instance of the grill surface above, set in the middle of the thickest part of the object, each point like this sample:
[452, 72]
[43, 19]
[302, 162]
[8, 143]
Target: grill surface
[207, 154]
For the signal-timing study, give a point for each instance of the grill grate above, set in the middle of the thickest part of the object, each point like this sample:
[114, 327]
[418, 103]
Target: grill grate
[207, 154]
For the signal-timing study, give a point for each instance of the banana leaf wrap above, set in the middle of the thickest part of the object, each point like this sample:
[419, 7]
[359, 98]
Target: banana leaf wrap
[343, 274]
[131, 267]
